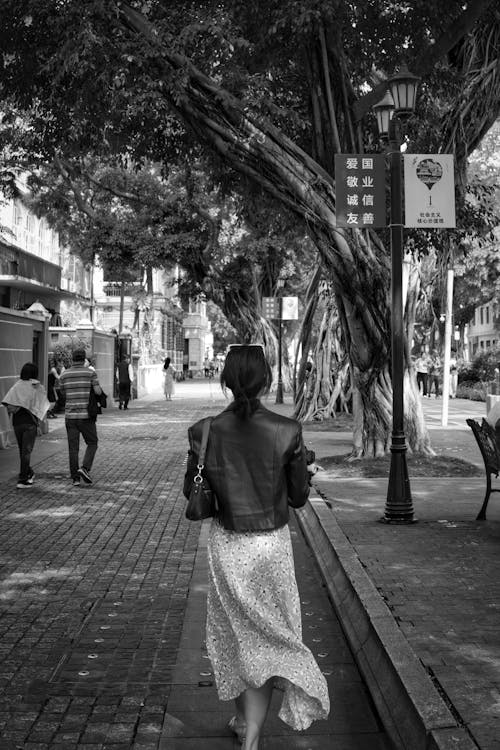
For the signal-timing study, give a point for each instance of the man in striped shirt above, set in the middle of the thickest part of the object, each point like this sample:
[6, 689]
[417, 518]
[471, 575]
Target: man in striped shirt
[75, 384]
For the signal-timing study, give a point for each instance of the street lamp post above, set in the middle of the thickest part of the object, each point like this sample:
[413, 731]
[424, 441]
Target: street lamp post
[399, 101]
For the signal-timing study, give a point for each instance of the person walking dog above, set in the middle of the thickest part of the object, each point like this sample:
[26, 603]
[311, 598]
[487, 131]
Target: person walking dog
[256, 466]
[75, 384]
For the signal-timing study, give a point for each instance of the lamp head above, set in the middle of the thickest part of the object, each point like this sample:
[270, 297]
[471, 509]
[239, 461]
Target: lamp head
[384, 110]
[403, 88]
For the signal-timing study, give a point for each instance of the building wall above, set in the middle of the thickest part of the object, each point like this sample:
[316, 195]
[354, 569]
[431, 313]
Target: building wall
[482, 333]
[166, 328]
[99, 345]
[198, 336]
[31, 251]
[29, 232]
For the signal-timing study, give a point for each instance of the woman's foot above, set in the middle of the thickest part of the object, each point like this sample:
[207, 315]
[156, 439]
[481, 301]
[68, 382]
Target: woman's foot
[237, 727]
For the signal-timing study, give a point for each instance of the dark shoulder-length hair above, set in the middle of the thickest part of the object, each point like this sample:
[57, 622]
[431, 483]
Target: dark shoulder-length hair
[29, 371]
[166, 363]
[248, 375]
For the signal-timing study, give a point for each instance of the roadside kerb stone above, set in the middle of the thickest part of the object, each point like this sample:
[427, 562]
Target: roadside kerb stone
[413, 712]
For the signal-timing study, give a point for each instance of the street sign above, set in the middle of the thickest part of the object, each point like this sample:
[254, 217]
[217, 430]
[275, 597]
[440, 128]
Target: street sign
[429, 191]
[360, 190]
[271, 307]
[290, 308]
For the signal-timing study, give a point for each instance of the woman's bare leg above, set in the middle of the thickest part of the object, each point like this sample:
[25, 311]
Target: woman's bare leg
[240, 709]
[237, 722]
[256, 703]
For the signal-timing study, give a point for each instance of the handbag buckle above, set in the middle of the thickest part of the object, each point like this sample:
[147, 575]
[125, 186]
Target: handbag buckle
[198, 479]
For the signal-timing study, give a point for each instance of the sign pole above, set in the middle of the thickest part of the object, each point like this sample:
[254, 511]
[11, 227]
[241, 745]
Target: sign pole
[447, 346]
[279, 389]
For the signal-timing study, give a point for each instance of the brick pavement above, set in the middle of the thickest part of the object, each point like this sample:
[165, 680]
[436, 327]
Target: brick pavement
[438, 577]
[102, 602]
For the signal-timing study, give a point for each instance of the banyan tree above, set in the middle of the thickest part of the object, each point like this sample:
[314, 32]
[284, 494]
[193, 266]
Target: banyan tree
[275, 89]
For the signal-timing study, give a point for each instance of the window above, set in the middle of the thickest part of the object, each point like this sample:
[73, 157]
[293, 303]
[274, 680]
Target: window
[487, 310]
[481, 315]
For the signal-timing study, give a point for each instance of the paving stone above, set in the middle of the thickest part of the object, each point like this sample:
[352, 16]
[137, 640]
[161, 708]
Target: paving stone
[103, 591]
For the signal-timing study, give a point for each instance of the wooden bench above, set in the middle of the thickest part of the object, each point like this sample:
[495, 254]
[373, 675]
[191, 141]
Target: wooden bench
[486, 440]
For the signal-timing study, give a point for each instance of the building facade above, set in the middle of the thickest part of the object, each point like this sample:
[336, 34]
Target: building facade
[483, 332]
[34, 266]
[198, 338]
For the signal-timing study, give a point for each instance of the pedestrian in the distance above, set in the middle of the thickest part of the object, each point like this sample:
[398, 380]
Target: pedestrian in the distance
[28, 404]
[52, 385]
[75, 384]
[422, 367]
[125, 377]
[453, 374]
[168, 379]
[256, 465]
[435, 371]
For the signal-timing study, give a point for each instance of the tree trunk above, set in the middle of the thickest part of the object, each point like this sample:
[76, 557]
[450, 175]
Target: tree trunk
[356, 261]
[122, 306]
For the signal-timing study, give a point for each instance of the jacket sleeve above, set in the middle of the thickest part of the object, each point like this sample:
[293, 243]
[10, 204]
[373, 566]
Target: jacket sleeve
[297, 476]
[192, 463]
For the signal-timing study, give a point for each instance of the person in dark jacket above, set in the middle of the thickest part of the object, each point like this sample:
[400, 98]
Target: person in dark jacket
[256, 465]
[125, 376]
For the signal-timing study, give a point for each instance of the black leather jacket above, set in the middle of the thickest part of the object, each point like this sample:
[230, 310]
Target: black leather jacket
[256, 467]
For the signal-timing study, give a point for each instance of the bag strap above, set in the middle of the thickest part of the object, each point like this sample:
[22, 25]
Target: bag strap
[204, 442]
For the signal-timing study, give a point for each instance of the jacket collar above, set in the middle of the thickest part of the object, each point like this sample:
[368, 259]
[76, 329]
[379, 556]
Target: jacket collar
[230, 407]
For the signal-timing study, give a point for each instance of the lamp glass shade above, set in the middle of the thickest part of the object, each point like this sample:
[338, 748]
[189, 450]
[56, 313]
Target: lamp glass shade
[403, 87]
[384, 110]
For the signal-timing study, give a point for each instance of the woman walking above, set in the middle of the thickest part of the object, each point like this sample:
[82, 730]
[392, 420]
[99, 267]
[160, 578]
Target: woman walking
[52, 386]
[168, 379]
[27, 402]
[256, 466]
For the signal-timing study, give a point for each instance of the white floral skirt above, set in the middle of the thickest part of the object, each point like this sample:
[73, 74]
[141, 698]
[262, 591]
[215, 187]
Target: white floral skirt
[254, 629]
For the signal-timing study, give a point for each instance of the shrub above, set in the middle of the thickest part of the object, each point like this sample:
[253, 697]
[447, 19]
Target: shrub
[472, 389]
[467, 374]
[484, 363]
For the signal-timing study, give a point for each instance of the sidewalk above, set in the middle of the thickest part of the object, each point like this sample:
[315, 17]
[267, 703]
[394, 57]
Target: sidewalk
[102, 597]
[420, 603]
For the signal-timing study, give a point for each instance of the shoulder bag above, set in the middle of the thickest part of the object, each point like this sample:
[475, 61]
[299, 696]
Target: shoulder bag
[201, 502]
[96, 403]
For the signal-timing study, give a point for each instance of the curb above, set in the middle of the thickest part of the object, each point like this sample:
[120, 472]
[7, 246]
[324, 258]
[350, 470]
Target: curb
[411, 709]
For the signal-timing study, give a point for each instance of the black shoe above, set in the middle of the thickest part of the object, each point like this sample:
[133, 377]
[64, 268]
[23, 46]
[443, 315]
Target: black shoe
[119, 406]
[23, 485]
[76, 482]
[85, 475]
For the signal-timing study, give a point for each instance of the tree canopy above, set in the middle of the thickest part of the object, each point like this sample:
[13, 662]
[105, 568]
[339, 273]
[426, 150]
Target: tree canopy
[275, 89]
